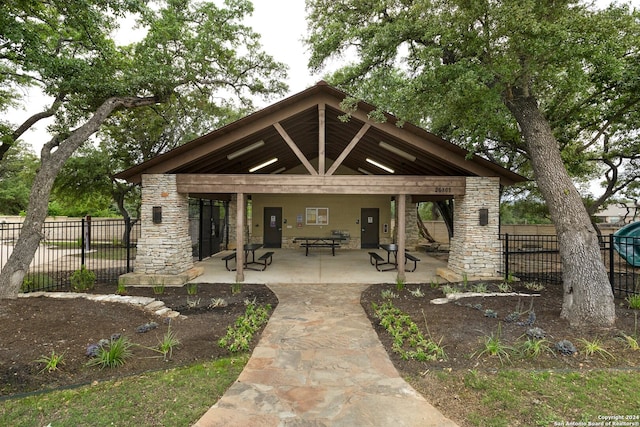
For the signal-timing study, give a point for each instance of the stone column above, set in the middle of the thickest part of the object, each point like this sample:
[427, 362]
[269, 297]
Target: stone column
[164, 248]
[475, 246]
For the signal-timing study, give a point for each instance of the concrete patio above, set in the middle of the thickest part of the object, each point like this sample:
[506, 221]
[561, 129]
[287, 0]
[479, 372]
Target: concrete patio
[292, 266]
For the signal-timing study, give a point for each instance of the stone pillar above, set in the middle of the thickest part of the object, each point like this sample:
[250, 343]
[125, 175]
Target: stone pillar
[475, 246]
[164, 248]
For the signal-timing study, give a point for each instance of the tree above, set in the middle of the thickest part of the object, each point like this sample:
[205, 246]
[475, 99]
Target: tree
[66, 49]
[16, 174]
[133, 136]
[505, 74]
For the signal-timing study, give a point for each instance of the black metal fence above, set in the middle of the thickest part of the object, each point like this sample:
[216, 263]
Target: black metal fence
[106, 247]
[537, 258]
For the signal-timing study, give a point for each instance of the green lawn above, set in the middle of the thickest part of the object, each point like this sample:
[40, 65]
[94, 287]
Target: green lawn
[175, 397]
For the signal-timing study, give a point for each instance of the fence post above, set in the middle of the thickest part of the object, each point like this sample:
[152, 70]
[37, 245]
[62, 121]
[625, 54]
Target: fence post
[82, 242]
[127, 238]
[87, 231]
[612, 274]
[506, 256]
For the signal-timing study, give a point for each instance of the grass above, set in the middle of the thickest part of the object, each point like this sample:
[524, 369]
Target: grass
[509, 397]
[175, 397]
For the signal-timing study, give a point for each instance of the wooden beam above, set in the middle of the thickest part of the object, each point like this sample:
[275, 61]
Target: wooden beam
[348, 149]
[328, 184]
[322, 120]
[401, 220]
[295, 148]
[240, 213]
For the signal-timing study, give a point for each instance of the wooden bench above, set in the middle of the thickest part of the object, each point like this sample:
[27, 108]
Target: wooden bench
[228, 258]
[408, 256]
[265, 259]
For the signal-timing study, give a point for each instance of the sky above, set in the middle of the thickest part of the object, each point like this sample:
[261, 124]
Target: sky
[282, 38]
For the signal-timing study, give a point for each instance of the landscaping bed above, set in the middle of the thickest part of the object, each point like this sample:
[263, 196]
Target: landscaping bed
[34, 327]
[483, 339]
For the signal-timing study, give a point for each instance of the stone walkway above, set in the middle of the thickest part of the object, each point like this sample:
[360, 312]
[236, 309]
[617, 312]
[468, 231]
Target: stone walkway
[320, 363]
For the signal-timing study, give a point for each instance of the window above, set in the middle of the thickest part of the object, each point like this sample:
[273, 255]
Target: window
[317, 216]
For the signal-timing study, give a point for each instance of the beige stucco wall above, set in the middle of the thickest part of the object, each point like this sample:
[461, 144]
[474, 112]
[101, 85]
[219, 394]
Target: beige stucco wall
[344, 215]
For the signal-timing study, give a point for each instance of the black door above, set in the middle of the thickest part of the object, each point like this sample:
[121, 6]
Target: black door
[370, 228]
[210, 228]
[272, 228]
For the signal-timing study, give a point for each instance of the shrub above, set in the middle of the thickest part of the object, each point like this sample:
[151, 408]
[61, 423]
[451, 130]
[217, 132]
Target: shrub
[408, 341]
[534, 347]
[82, 280]
[192, 288]
[239, 335]
[595, 347]
[495, 346]
[633, 301]
[122, 289]
[52, 362]
[113, 353]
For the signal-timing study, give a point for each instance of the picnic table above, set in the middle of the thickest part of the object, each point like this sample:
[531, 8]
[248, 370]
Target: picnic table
[391, 248]
[320, 242]
[263, 261]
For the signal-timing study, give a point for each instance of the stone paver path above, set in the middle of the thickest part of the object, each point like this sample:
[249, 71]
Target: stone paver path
[320, 363]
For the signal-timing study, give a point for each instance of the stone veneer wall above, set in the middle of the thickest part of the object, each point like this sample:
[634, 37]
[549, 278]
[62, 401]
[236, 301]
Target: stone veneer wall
[475, 249]
[164, 248]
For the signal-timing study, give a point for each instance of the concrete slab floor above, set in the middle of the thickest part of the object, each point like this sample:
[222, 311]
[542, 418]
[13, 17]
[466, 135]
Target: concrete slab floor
[292, 266]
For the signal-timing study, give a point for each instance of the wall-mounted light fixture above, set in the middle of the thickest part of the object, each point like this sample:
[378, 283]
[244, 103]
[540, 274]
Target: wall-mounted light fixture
[397, 151]
[380, 165]
[157, 214]
[263, 165]
[484, 216]
[245, 150]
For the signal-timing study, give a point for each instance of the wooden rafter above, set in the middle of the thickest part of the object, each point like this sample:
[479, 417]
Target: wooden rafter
[348, 149]
[291, 143]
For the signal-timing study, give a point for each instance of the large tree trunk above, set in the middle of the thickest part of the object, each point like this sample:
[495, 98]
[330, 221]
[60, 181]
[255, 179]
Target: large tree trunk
[53, 156]
[588, 298]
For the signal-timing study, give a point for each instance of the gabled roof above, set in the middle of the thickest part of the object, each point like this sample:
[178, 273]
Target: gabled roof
[306, 129]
